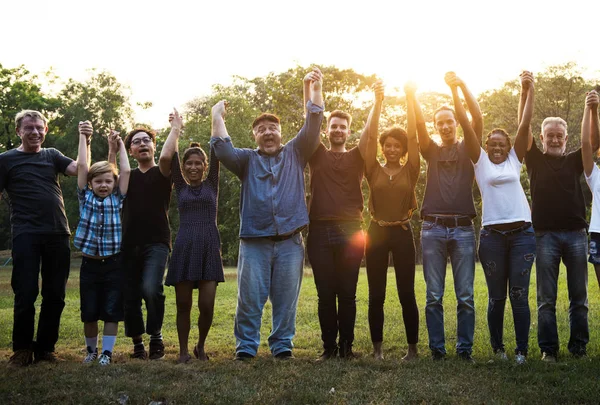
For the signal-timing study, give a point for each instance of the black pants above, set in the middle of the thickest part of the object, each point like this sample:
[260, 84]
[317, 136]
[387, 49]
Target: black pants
[335, 250]
[380, 242]
[53, 253]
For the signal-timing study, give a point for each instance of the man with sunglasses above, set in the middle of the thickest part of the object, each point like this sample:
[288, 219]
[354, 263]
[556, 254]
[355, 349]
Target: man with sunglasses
[146, 243]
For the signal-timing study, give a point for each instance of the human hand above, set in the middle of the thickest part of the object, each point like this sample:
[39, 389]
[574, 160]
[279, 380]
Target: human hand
[219, 109]
[176, 120]
[316, 79]
[452, 80]
[592, 98]
[526, 80]
[85, 129]
[113, 139]
[410, 88]
[379, 90]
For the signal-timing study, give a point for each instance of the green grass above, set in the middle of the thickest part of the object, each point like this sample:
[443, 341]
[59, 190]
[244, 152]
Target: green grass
[303, 381]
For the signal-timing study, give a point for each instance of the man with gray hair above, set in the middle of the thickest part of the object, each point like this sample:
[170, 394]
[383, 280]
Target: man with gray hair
[559, 219]
[40, 233]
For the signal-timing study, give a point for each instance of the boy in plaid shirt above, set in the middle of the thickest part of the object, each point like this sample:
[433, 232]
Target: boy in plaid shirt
[101, 192]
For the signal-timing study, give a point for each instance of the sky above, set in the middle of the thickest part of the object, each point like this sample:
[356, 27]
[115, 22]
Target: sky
[171, 52]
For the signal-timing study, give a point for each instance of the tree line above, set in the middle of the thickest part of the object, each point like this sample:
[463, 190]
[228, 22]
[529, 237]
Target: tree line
[560, 91]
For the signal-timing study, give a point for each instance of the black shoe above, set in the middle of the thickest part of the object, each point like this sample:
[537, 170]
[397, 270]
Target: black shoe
[243, 356]
[438, 356]
[285, 355]
[345, 351]
[49, 357]
[466, 356]
[21, 358]
[157, 349]
[328, 354]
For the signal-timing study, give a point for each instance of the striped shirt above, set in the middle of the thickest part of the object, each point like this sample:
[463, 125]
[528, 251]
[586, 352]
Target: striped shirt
[99, 231]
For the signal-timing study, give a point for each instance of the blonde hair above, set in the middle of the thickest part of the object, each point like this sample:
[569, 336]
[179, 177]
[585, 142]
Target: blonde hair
[554, 120]
[29, 113]
[102, 167]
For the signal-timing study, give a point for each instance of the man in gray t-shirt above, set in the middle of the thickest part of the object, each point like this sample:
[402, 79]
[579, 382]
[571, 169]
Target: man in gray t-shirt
[40, 233]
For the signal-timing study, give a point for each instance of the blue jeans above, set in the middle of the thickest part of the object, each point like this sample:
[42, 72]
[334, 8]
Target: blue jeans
[144, 269]
[438, 243]
[32, 254]
[571, 247]
[335, 250]
[507, 258]
[273, 270]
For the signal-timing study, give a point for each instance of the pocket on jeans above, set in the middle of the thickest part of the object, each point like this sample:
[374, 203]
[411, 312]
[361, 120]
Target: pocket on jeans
[427, 226]
[483, 233]
[297, 238]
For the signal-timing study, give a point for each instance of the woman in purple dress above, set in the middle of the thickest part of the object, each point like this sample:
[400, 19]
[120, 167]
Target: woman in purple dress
[196, 258]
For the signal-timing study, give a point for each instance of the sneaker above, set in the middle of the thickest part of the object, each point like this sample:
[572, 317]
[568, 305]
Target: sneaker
[501, 355]
[243, 356]
[548, 357]
[328, 354]
[157, 349]
[21, 358]
[438, 356]
[520, 358]
[139, 352]
[466, 357]
[285, 355]
[91, 356]
[345, 351]
[49, 357]
[105, 357]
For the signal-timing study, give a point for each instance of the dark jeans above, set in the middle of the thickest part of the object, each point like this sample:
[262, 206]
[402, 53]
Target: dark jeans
[380, 242]
[571, 247]
[54, 255]
[100, 289]
[335, 250]
[507, 258]
[144, 268]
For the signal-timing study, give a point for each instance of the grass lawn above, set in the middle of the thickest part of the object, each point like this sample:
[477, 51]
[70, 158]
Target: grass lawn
[301, 380]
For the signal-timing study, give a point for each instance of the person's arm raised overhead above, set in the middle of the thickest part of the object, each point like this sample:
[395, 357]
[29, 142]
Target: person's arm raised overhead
[171, 144]
[473, 105]
[471, 141]
[410, 89]
[124, 168]
[524, 136]
[83, 155]
[368, 139]
[587, 132]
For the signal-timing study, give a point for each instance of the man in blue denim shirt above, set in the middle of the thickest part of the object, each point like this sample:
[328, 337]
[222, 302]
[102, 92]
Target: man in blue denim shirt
[272, 214]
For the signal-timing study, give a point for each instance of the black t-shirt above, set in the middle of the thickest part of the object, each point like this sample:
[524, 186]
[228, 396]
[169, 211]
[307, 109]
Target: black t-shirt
[34, 195]
[557, 201]
[145, 210]
[450, 175]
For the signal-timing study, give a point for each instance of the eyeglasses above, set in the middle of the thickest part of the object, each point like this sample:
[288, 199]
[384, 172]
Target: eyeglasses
[139, 141]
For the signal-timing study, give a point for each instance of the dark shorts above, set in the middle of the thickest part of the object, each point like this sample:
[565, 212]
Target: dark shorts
[100, 288]
[594, 248]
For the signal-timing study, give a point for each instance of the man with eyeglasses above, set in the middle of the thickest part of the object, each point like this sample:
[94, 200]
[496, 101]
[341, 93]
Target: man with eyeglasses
[40, 235]
[146, 243]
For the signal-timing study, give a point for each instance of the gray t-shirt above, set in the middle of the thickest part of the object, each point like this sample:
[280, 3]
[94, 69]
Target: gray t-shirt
[34, 194]
[450, 176]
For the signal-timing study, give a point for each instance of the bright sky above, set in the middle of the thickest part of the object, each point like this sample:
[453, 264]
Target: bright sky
[170, 52]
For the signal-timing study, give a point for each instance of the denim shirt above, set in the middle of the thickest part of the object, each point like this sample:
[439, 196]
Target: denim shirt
[272, 198]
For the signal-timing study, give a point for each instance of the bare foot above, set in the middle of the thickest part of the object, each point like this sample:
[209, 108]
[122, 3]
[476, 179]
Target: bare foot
[200, 354]
[412, 353]
[184, 359]
[378, 350]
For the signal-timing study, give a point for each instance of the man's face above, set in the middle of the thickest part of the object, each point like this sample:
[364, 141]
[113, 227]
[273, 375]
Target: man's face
[338, 131]
[554, 139]
[32, 132]
[142, 147]
[445, 124]
[268, 137]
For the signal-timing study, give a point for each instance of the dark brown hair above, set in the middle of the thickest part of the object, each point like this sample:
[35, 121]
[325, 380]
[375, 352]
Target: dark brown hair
[443, 108]
[136, 131]
[340, 114]
[398, 134]
[499, 131]
[194, 149]
[265, 117]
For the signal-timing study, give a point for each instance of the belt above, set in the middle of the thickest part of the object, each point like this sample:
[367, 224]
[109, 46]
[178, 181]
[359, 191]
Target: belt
[279, 238]
[510, 231]
[405, 223]
[449, 222]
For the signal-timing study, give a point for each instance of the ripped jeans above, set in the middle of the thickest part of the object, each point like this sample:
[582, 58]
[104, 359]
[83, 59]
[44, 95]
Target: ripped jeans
[507, 258]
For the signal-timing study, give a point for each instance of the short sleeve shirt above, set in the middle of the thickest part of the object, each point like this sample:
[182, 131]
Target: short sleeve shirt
[34, 193]
[557, 201]
[593, 182]
[392, 198]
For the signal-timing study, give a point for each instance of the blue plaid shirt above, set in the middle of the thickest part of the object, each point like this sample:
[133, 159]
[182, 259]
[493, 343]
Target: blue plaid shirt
[99, 231]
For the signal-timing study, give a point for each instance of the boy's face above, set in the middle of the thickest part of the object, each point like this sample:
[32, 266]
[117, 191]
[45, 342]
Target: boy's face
[103, 184]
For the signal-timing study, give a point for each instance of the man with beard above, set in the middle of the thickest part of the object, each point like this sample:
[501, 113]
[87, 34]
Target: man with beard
[272, 214]
[40, 233]
[146, 243]
[447, 229]
[335, 242]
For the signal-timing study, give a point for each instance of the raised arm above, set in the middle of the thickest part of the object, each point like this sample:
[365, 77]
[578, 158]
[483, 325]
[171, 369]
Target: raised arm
[411, 112]
[595, 125]
[524, 137]
[307, 140]
[473, 105]
[368, 139]
[171, 144]
[589, 121]
[232, 158]
[124, 168]
[306, 90]
[472, 142]
[83, 155]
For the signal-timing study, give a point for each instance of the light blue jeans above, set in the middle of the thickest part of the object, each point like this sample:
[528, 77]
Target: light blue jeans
[273, 270]
[438, 243]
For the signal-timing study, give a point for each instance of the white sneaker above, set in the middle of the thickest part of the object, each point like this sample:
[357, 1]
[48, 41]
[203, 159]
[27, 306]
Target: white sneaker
[500, 355]
[520, 359]
[105, 357]
[91, 356]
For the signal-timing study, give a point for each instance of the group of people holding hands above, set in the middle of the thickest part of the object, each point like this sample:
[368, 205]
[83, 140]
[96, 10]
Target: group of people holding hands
[124, 233]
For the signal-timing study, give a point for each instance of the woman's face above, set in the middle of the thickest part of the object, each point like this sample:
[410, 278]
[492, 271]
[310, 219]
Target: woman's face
[497, 148]
[193, 168]
[392, 150]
